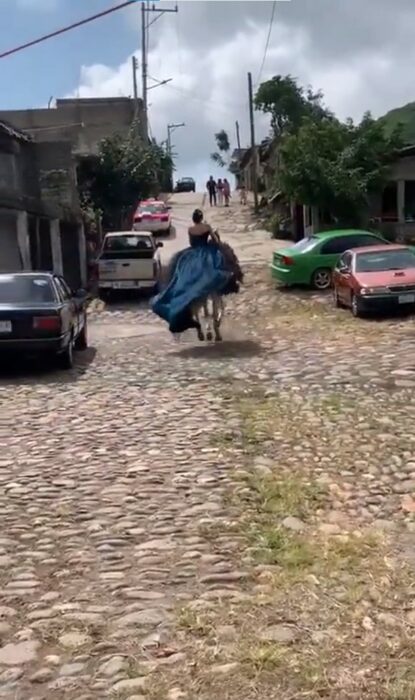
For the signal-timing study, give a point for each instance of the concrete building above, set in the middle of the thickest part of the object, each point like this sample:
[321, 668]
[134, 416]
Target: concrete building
[81, 122]
[41, 224]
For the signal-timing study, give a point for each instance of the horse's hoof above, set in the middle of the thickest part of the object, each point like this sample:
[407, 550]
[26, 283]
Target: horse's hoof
[200, 335]
[209, 336]
[218, 339]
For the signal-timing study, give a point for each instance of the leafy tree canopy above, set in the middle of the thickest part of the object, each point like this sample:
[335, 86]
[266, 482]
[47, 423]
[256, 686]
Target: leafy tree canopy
[336, 166]
[221, 156]
[124, 171]
[288, 104]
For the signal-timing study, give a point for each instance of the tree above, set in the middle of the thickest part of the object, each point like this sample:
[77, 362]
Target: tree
[288, 104]
[336, 166]
[223, 144]
[125, 170]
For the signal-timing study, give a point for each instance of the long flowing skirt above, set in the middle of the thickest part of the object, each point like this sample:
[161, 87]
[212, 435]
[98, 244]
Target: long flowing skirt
[194, 274]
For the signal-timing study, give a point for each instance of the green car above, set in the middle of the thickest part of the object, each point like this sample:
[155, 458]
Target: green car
[311, 260]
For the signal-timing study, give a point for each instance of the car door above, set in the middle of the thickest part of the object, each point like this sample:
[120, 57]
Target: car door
[332, 249]
[69, 310]
[342, 275]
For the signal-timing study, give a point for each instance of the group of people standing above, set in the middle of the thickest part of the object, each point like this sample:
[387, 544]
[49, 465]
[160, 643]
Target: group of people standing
[219, 192]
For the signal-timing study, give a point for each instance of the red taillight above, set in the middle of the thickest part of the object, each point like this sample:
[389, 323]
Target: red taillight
[138, 217]
[47, 323]
[287, 260]
[164, 218]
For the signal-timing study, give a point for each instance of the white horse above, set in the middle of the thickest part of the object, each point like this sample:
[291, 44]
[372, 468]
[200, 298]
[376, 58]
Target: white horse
[208, 313]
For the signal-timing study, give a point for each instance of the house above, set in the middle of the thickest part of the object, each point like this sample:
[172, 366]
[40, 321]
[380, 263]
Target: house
[82, 122]
[41, 225]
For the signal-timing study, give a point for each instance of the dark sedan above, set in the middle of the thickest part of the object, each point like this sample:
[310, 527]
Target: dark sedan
[186, 184]
[40, 314]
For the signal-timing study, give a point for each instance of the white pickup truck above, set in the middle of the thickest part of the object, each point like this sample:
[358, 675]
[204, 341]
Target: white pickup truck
[129, 260]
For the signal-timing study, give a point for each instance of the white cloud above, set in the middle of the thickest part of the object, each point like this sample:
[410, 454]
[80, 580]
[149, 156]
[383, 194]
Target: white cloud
[209, 87]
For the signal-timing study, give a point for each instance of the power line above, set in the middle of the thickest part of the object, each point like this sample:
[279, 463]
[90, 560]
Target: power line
[68, 28]
[224, 107]
[271, 22]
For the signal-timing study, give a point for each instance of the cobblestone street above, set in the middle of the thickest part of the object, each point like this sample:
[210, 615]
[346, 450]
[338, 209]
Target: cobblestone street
[153, 500]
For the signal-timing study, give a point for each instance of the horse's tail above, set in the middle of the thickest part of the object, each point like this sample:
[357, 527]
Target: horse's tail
[231, 261]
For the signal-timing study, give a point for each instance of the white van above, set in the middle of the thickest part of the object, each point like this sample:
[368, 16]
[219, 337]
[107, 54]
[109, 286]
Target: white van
[129, 260]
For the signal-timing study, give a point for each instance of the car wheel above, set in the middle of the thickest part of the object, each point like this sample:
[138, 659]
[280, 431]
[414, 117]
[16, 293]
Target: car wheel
[81, 342]
[65, 358]
[321, 278]
[355, 306]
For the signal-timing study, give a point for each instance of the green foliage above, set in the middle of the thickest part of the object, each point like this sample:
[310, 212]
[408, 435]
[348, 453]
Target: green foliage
[336, 166]
[402, 118]
[288, 104]
[125, 171]
[223, 144]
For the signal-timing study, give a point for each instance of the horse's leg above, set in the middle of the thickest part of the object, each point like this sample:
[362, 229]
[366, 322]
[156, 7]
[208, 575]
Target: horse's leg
[208, 330]
[199, 330]
[217, 316]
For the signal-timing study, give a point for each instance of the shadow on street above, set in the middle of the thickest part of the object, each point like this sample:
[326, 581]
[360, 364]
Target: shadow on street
[42, 370]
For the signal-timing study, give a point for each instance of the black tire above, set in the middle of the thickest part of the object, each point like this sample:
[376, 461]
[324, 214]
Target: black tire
[81, 342]
[64, 359]
[356, 307]
[321, 279]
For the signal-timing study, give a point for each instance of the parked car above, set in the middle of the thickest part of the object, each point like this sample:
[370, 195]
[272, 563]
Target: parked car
[311, 260]
[153, 216]
[379, 278]
[129, 260]
[185, 184]
[40, 314]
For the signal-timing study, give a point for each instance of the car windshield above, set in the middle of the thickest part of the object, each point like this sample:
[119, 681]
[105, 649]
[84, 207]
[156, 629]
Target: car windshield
[385, 260]
[18, 289]
[151, 208]
[127, 243]
[305, 244]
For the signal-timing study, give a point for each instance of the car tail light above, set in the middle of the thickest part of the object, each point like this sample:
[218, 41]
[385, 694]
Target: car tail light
[287, 260]
[138, 217]
[47, 323]
[165, 217]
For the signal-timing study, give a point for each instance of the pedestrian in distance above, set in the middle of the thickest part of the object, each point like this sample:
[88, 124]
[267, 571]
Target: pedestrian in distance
[226, 192]
[211, 188]
[220, 191]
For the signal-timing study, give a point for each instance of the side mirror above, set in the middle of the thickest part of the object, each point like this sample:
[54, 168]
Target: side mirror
[159, 244]
[343, 269]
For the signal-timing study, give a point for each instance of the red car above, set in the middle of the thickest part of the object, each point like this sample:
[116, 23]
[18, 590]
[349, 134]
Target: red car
[377, 278]
[152, 216]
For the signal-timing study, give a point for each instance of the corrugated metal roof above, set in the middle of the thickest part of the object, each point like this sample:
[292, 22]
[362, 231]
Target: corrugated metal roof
[14, 133]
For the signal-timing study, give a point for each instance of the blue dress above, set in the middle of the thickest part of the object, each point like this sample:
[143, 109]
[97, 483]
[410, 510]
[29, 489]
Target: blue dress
[195, 273]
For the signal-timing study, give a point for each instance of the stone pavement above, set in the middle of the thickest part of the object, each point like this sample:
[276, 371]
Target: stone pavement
[117, 481]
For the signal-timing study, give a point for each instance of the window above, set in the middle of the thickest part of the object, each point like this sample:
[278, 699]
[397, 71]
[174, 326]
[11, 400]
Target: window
[128, 243]
[305, 244]
[379, 261]
[63, 292]
[18, 289]
[336, 246]
[359, 240]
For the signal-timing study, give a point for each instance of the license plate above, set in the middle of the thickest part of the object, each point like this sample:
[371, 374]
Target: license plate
[125, 285]
[5, 326]
[406, 299]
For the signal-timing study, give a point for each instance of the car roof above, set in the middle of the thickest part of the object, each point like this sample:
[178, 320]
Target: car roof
[344, 232]
[128, 233]
[30, 273]
[379, 248]
[185, 178]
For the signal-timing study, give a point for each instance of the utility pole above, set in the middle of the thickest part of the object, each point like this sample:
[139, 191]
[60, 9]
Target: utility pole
[146, 10]
[134, 61]
[238, 139]
[170, 129]
[253, 146]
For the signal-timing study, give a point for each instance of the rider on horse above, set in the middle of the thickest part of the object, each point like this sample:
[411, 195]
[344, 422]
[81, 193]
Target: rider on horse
[206, 270]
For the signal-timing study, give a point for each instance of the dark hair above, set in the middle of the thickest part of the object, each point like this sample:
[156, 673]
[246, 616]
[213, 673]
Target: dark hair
[197, 216]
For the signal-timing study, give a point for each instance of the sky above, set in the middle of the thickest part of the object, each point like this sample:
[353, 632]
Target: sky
[360, 54]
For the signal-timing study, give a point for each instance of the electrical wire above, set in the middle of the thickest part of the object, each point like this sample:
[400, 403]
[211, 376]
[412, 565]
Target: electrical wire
[229, 109]
[271, 22]
[68, 28]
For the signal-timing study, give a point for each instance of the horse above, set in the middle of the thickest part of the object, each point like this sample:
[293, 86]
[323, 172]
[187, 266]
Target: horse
[208, 314]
